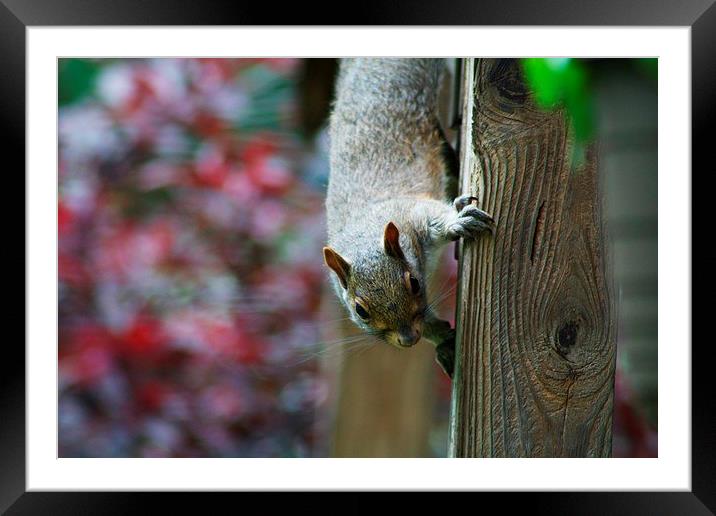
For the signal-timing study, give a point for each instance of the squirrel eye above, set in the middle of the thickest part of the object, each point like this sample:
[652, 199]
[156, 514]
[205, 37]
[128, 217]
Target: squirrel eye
[361, 311]
[414, 284]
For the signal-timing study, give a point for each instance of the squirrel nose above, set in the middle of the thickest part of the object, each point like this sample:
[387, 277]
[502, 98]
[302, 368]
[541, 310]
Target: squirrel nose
[408, 337]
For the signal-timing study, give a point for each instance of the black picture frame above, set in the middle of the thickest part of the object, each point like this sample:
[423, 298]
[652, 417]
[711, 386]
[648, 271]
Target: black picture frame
[17, 15]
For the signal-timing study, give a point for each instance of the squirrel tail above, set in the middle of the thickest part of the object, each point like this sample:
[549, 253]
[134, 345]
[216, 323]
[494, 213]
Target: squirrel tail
[419, 78]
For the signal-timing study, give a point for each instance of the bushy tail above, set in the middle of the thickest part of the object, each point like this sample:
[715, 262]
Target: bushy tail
[403, 81]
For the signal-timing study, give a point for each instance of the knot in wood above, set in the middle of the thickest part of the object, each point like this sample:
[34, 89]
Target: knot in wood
[567, 336]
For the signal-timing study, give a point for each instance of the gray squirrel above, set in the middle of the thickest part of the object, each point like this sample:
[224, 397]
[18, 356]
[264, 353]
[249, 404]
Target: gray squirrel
[386, 206]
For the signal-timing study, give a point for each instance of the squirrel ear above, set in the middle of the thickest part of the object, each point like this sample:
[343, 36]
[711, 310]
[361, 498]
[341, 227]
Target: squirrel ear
[339, 265]
[391, 241]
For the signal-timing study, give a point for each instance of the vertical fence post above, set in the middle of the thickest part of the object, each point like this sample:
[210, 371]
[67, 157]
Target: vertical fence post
[536, 342]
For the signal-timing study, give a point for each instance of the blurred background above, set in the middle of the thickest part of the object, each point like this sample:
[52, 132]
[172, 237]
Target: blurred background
[195, 318]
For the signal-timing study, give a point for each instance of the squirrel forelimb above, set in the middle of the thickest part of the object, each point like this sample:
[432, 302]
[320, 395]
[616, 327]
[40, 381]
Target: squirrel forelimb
[464, 221]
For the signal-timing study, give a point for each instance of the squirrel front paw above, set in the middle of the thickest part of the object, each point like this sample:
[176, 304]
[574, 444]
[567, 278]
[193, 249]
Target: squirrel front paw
[470, 220]
[445, 354]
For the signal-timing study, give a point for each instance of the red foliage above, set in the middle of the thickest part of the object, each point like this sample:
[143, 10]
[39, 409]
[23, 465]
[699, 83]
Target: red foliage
[143, 338]
[167, 218]
[65, 218]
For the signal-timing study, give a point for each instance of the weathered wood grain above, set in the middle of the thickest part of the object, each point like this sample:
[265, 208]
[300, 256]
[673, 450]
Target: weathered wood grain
[385, 404]
[536, 337]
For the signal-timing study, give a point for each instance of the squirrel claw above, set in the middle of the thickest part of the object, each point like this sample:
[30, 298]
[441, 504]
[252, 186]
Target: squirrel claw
[445, 355]
[469, 223]
[462, 201]
[471, 219]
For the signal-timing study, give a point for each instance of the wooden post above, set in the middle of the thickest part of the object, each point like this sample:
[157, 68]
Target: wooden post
[385, 403]
[535, 332]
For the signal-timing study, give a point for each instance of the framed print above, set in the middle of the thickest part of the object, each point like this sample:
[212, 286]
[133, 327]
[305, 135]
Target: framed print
[197, 307]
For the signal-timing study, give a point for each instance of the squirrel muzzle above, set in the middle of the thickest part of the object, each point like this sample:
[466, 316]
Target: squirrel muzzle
[408, 336]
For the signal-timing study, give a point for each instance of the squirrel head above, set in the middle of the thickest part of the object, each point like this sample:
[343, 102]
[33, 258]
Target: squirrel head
[383, 293]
